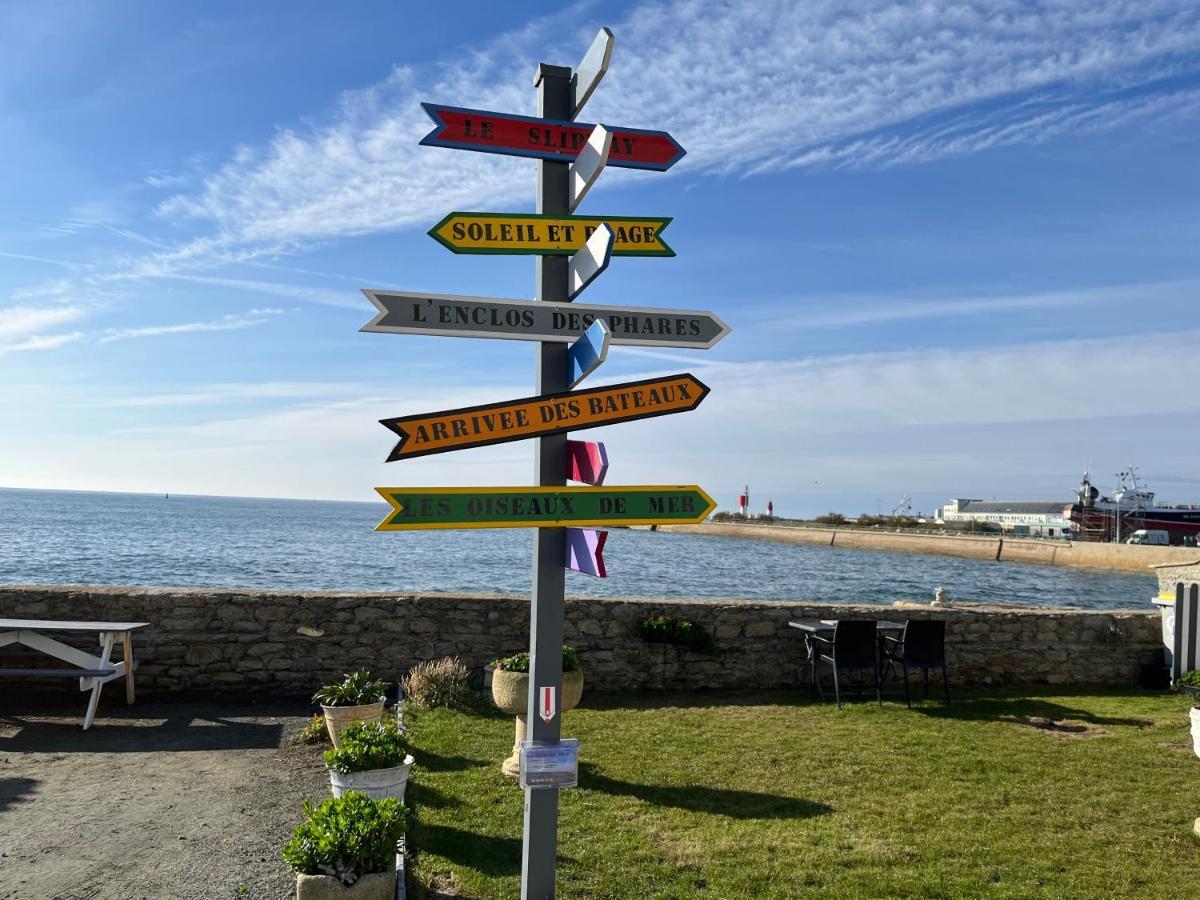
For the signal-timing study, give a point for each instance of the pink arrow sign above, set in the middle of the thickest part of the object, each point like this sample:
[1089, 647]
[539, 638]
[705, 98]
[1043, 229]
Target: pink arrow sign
[585, 551]
[547, 704]
[587, 462]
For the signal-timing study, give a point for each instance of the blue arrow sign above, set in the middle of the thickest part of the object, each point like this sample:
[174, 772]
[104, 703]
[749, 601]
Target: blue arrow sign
[588, 352]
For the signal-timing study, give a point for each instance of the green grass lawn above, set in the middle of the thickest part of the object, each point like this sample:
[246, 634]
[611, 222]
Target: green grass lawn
[774, 795]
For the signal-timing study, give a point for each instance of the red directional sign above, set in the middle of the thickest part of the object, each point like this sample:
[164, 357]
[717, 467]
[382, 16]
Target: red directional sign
[492, 132]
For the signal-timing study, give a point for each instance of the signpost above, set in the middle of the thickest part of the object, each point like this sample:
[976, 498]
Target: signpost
[543, 415]
[432, 508]
[585, 551]
[546, 137]
[589, 164]
[517, 233]
[587, 462]
[570, 251]
[588, 352]
[454, 315]
[591, 69]
[588, 264]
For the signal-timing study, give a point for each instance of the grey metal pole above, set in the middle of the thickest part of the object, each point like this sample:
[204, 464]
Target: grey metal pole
[540, 845]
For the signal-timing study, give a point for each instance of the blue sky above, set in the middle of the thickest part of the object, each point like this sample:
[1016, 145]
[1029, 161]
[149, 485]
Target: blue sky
[959, 247]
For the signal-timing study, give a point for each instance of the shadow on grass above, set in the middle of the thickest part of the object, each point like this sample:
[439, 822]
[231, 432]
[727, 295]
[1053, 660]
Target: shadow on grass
[493, 856]
[697, 699]
[892, 692]
[419, 794]
[436, 762]
[1020, 711]
[699, 798]
[15, 790]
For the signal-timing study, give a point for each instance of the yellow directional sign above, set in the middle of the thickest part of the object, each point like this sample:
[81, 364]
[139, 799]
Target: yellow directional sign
[527, 233]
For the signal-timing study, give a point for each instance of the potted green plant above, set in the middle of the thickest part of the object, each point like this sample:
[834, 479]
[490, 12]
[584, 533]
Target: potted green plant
[346, 848]
[373, 758]
[510, 691]
[356, 698]
[1189, 683]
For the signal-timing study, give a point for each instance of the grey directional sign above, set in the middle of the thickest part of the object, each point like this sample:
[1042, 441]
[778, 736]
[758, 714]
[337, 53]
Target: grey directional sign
[452, 315]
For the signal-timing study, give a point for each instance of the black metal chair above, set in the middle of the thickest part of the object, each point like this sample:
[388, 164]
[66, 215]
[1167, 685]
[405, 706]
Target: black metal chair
[854, 646]
[922, 645]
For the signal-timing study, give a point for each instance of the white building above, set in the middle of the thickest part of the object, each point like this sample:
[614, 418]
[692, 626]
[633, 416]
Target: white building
[1018, 517]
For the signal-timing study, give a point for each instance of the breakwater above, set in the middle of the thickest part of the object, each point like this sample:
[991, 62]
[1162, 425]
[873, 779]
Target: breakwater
[284, 642]
[1078, 554]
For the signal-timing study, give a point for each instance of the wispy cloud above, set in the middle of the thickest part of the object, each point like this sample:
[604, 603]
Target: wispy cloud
[43, 342]
[745, 86]
[21, 321]
[854, 310]
[235, 392]
[347, 299]
[229, 322]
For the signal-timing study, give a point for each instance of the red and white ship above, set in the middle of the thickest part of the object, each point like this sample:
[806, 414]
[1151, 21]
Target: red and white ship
[1130, 508]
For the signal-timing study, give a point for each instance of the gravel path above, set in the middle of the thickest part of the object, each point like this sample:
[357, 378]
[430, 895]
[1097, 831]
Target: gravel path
[158, 800]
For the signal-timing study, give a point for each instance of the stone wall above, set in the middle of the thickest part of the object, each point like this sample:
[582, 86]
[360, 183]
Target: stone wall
[239, 640]
[1078, 554]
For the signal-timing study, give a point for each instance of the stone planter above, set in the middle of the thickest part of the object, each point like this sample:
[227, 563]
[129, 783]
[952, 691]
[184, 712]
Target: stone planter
[376, 783]
[510, 692]
[338, 718]
[376, 886]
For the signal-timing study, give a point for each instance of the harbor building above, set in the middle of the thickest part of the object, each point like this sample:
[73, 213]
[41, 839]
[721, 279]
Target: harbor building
[1025, 518]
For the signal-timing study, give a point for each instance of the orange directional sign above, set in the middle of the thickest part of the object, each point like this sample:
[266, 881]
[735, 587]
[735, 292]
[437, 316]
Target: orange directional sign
[530, 417]
[517, 233]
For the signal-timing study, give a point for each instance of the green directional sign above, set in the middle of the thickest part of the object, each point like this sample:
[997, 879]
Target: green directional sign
[546, 507]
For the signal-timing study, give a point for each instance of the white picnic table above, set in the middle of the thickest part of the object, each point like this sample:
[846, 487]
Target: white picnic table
[92, 671]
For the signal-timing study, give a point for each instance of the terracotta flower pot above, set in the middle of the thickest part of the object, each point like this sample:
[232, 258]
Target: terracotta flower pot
[376, 886]
[510, 692]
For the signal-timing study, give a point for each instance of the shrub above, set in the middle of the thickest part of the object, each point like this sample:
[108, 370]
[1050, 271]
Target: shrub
[314, 732]
[356, 689]
[1191, 678]
[368, 746]
[831, 518]
[519, 662]
[680, 632]
[346, 837]
[442, 682]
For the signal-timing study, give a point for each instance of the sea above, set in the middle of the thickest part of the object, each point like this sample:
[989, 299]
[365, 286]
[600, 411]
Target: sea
[95, 538]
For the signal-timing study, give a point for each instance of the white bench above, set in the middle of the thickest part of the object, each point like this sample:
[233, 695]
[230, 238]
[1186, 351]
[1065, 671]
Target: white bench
[92, 671]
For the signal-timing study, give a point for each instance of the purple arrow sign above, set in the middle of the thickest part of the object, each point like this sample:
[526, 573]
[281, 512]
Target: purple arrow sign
[587, 462]
[585, 551]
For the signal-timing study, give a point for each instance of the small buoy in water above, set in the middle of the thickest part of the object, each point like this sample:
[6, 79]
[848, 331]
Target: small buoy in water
[310, 632]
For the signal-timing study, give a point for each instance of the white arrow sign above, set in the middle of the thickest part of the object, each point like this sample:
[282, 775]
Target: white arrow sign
[592, 68]
[589, 164]
[590, 261]
[547, 704]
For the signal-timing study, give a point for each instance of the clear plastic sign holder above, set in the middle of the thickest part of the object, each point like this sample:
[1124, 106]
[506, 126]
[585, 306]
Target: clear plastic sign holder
[550, 765]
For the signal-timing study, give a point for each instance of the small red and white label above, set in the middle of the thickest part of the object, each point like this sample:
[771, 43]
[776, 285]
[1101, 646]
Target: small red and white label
[547, 704]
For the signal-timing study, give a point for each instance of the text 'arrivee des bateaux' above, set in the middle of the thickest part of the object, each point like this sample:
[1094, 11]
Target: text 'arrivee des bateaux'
[479, 426]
